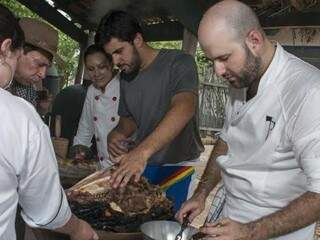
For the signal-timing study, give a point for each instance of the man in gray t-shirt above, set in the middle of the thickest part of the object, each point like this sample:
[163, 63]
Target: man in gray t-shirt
[158, 102]
[147, 99]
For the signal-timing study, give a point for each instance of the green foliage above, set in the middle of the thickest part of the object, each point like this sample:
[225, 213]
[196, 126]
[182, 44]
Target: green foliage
[166, 44]
[201, 60]
[68, 48]
[203, 63]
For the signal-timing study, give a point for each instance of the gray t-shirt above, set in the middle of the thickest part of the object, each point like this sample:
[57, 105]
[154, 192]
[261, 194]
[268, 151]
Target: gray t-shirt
[147, 99]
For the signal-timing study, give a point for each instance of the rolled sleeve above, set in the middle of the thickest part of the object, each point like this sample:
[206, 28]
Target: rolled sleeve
[184, 75]
[306, 139]
[308, 149]
[42, 198]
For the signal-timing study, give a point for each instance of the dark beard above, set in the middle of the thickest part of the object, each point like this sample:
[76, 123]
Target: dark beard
[135, 70]
[250, 72]
[129, 76]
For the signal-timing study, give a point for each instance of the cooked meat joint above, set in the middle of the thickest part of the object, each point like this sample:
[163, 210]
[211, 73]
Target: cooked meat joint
[122, 209]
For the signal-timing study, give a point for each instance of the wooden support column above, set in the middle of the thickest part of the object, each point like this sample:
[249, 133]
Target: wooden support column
[81, 67]
[189, 43]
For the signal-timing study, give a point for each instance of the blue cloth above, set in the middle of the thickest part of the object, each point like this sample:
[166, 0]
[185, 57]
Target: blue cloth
[178, 192]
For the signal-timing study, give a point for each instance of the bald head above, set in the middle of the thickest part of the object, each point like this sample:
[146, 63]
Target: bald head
[230, 17]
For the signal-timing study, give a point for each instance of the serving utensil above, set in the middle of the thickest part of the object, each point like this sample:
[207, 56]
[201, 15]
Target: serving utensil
[184, 225]
[165, 230]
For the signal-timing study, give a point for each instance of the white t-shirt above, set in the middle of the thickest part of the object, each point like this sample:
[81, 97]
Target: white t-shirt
[28, 170]
[99, 116]
[273, 141]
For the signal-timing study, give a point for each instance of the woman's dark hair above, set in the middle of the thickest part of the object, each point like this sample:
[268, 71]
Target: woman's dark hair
[9, 28]
[94, 48]
[117, 24]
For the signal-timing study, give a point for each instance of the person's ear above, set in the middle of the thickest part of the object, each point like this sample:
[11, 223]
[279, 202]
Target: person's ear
[254, 41]
[6, 47]
[138, 40]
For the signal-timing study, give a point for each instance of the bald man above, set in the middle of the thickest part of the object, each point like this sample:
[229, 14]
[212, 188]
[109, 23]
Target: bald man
[268, 155]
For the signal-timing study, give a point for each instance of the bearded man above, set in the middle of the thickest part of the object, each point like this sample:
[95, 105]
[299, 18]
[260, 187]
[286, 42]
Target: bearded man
[158, 102]
[268, 152]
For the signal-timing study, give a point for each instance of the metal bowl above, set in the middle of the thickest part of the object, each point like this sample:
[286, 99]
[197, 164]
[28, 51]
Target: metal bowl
[165, 230]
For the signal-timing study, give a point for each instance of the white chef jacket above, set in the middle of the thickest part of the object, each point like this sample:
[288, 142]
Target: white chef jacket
[274, 142]
[28, 170]
[99, 116]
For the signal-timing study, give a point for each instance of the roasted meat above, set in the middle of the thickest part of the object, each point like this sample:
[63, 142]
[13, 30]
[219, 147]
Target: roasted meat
[122, 209]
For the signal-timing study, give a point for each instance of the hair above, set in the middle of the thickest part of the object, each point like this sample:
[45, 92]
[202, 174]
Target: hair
[117, 24]
[29, 48]
[10, 28]
[94, 48]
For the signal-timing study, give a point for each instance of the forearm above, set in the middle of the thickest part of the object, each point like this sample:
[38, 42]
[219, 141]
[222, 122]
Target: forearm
[300, 213]
[182, 110]
[211, 176]
[71, 226]
[126, 126]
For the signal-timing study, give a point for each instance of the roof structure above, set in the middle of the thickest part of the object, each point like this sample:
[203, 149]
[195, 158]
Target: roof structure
[166, 19]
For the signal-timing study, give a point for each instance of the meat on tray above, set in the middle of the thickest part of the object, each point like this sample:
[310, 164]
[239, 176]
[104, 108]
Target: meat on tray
[119, 210]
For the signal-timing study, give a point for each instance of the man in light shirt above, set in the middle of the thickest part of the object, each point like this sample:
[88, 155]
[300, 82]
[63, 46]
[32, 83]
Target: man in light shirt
[268, 152]
[29, 174]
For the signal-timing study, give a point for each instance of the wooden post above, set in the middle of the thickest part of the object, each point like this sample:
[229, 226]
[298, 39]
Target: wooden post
[81, 67]
[189, 43]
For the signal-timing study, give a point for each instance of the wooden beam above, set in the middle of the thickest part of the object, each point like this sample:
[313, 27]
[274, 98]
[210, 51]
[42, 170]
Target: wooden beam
[163, 32]
[61, 4]
[300, 19]
[304, 52]
[189, 42]
[188, 13]
[50, 14]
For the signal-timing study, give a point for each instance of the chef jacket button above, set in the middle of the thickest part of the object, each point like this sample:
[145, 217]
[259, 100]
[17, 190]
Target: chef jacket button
[101, 158]
[96, 98]
[95, 118]
[113, 119]
[97, 139]
[114, 99]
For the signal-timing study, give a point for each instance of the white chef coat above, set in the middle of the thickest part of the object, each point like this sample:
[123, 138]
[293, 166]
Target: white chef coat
[274, 142]
[99, 116]
[28, 170]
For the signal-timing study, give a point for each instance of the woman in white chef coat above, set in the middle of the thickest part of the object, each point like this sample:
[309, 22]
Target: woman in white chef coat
[100, 110]
[28, 167]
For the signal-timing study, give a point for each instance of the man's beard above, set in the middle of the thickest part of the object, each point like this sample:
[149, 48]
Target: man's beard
[250, 70]
[134, 67]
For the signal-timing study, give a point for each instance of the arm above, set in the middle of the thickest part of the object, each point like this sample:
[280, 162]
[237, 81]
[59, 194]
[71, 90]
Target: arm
[305, 210]
[211, 175]
[78, 229]
[41, 196]
[85, 127]
[125, 127]
[182, 109]
[210, 178]
[305, 136]
[118, 136]
[302, 211]
[183, 87]
[183, 106]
